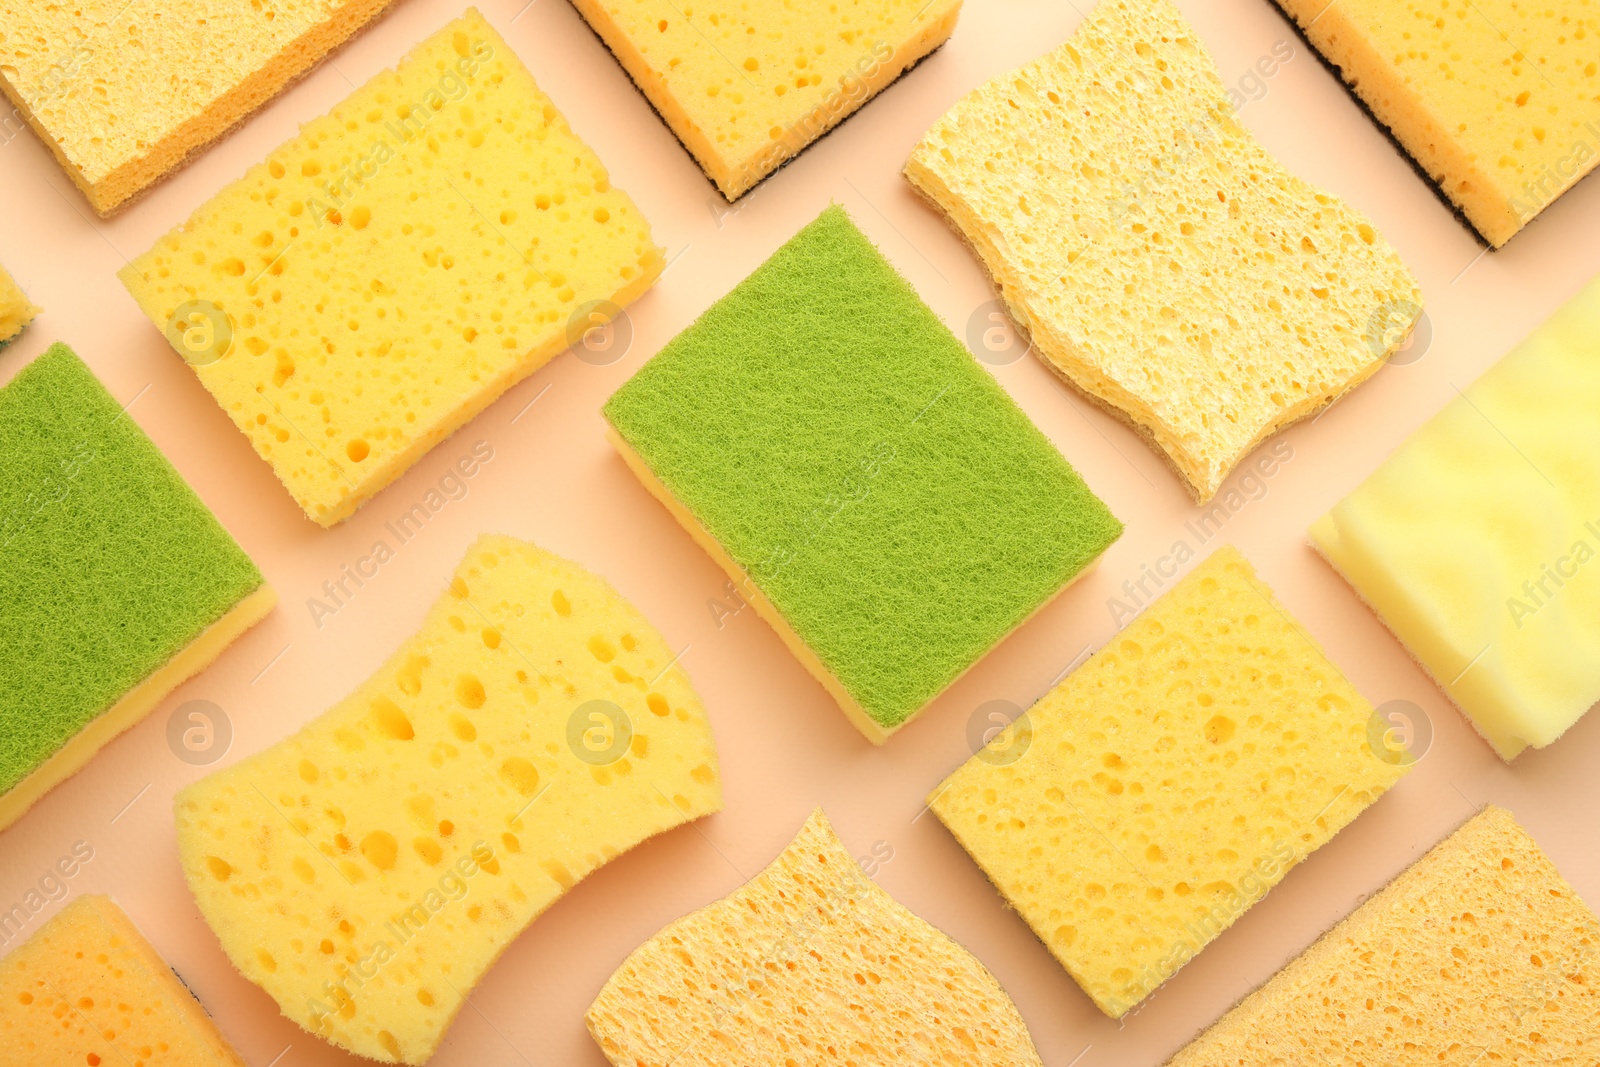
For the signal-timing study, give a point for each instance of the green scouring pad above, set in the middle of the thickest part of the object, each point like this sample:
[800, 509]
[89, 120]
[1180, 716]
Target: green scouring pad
[117, 583]
[882, 502]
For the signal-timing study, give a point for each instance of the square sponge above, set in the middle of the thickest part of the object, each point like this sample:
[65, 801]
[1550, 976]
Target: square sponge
[123, 98]
[88, 988]
[1144, 804]
[395, 268]
[16, 311]
[880, 500]
[1504, 125]
[747, 84]
[118, 583]
[1162, 261]
[1481, 946]
[1478, 541]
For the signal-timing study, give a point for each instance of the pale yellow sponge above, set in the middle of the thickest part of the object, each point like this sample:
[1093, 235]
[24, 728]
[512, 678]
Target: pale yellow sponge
[367, 871]
[1478, 541]
[387, 274]
[808, 963]
[89, 989]
[123, 97]
[1480, 952]
[16, 311]
[1151, 798]
[747, 84]
[1498, 101]
[1163, 262]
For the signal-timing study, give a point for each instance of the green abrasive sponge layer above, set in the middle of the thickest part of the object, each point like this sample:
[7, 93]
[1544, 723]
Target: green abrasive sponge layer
[117, 582]
[882, 501]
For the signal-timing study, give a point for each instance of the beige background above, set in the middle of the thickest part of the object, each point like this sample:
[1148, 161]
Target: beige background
[785, 749]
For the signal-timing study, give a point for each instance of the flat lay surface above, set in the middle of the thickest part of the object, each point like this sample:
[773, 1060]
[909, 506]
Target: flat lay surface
[536, 465]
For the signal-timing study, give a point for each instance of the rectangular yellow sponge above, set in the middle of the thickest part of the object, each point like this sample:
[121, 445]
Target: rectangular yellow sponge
[1480, 952]
[747, 84]
[89, 989]
[1498, 101]
[16, 311]
[1144, 804]
[1162, 261]
[1478, 541]
[123, 97]
[388, 273]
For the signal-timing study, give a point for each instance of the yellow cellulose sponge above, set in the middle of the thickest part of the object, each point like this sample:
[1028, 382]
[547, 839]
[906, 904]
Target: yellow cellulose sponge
[747, 84]
[1163, 262]
[16, 311]
[123, 98]
[89, 989]
[1498, 101]
[1144, 804]
[367, 871]
[1480, 951]
[387, 274]
[808, 963]
[1477, 541]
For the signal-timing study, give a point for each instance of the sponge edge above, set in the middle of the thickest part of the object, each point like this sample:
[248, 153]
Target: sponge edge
[1162, 261]
[807, 952]
[16, 311]
[1483, 942]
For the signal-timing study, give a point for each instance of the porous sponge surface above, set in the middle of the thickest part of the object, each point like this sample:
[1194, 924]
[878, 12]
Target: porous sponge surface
[121, 98]
[891, 501]
[1163, 262]
[1167, 784]
[1478, 541]
[1499, 101]
[745, 84]
[1479, 949]
[396, 267]
[112, 564]
[809, 962]
[88, 988]
[367, 871]
[15, 309]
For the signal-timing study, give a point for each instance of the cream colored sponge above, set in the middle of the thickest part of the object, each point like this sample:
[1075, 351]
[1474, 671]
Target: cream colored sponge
[123, 97]
[89, 989]
[1478, 541]
[746, 84]
[387, 274]
[1479, 952]
[367, 871]
[16, 311]
[1498, 101]
[1144, 804]
[808, 963]
[1163, 262]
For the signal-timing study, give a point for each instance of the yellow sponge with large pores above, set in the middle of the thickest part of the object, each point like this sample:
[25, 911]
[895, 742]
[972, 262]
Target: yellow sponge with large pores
[16, 310]
[367, 871]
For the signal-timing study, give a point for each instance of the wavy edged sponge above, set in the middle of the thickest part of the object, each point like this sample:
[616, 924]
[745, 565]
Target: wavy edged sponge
[1478, 541]
[88, 988]
[123, 99]
[807, 963]
[118, 584]
[1163, 262]
[391, 271]
[747, 85]
[887, 508]
[16, 311]
[1479, 951]
[369, 870]
[1144, 804]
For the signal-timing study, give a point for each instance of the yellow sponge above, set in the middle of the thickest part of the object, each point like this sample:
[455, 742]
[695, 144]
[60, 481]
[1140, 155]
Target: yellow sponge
[1163, 262]
[808, 963]
[88, 988]
[747, 84]
[387, 274]
[123, 98]
[1479, 952]
[367, 871]
[1476, 542]
[15, 309]
[1497, 100]
[1151, 798]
